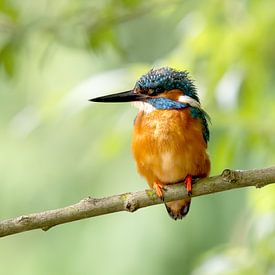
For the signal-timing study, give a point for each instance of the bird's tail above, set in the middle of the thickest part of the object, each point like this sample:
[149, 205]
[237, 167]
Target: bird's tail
[178, 209]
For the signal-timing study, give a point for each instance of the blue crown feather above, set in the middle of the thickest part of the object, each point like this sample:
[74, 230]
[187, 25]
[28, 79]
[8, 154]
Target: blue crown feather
[166, 79]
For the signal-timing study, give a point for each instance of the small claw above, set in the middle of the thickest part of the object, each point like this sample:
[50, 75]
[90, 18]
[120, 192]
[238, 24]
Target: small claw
[188, 185]
[159, 190]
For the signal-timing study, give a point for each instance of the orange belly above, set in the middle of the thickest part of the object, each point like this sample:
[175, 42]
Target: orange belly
[168, 145]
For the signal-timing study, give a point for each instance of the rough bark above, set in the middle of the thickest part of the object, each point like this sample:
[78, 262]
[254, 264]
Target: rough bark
[91, 207]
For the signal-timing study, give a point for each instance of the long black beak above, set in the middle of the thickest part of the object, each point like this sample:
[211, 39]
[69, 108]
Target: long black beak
[120, 97]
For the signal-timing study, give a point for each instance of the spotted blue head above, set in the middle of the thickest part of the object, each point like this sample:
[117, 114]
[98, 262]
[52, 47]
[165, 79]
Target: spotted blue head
[157, 82]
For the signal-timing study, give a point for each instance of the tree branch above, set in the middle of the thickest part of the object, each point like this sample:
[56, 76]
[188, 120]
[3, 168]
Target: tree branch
[90, 207]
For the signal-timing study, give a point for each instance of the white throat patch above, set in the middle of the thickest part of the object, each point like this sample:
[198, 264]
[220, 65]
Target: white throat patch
[189, 100]
[143, 106]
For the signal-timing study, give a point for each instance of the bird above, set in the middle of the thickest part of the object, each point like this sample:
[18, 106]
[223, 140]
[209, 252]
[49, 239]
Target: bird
[171, 132]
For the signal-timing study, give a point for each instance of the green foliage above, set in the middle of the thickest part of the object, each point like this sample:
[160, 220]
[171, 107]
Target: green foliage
[57, 148]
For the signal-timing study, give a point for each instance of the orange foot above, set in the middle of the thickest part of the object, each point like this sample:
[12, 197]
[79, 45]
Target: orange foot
[158, 187]
[188, 184]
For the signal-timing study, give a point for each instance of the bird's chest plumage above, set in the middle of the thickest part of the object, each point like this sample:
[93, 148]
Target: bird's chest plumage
[168, 145]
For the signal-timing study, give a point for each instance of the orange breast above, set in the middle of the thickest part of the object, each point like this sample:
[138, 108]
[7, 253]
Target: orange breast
[168, 145]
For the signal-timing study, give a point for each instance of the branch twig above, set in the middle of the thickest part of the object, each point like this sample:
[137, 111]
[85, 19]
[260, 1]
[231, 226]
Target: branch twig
[90, 207]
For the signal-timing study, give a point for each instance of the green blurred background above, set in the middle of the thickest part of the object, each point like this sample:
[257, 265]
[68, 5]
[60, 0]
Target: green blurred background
[57, 148]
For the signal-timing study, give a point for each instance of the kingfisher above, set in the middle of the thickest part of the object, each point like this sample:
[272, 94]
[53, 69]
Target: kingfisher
[170, 133]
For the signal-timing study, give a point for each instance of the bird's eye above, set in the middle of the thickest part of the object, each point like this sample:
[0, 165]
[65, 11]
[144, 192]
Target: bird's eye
[151, 91]
[159, 90]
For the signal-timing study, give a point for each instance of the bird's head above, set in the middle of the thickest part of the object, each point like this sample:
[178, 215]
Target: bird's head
[163, 88]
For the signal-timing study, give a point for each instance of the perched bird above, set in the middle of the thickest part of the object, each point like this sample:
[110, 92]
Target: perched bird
[170, 132]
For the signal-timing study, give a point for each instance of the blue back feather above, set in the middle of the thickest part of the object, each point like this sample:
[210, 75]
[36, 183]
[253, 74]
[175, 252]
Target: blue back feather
[204, 118]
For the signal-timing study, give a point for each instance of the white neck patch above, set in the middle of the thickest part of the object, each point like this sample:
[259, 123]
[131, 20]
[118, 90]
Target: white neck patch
[189, 100]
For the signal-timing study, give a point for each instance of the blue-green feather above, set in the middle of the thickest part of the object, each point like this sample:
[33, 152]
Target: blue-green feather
[204, 118]
[166, 79]
[163, 103]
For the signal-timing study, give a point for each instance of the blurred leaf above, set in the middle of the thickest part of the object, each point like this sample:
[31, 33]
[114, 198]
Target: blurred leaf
[7, 59]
